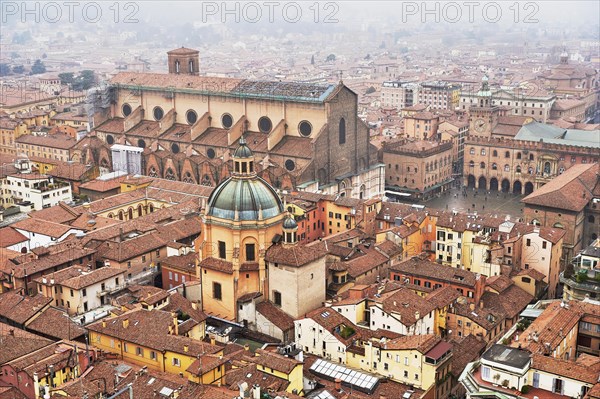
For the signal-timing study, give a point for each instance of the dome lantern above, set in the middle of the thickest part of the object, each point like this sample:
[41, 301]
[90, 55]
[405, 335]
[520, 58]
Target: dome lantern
[290, 229]
[243, 160]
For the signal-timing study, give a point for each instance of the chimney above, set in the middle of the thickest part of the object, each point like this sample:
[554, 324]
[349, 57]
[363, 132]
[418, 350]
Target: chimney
[255, 391]
[338, 384]
[480, 304]
[175, 323]
[125, 323]
[472, 306]
[186, 348]
[246, 347]
[104, 323]
[213, 341]
[417, 315]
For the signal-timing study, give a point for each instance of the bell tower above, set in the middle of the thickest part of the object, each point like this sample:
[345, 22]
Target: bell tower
[483, 117]
[185, 61]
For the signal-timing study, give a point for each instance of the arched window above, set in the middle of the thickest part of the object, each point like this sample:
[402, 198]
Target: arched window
[140, 210]
[591, 219]
[482, 165]
[191, 66]
[531, 157]
[110, 215]
[342, 131]
[472, 151]
[471, 164]
[121, 216]
[507, 154]
[130, 213]
[483, 151]
[506, 168]
[558, 225]
[518, 170]
[151, 207]
[518, 155]
[494, 166]
[495, 153]
[535, 222]
[177, 66]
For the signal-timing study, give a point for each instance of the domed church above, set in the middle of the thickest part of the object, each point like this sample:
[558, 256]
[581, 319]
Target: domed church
[243, 216]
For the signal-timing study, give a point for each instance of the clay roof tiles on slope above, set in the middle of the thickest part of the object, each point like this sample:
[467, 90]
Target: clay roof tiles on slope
[275, 315]
[19, 308]
[297, 255]
[17, 342]
[426, 268]
[571, 190]
[56, 324]
[10, 237]
[45, 227]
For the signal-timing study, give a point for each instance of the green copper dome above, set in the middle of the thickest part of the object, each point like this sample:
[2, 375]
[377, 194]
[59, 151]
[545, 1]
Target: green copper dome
[249, 197]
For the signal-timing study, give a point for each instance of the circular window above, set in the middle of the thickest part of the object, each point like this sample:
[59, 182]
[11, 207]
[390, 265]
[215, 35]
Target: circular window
[191, 116]
[305, 128]
[264, 124]
[174, 148]
[210, 153]
[141, 143]
[227, 121]
[158, 113]
[110, 139]
[290, 165]
[126, 109]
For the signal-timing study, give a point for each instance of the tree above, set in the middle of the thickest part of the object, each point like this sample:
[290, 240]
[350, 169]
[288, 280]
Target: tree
[38, 67]
[85, 80]
[330, 58]
[66, 78]
[18, 69]
[4, 69]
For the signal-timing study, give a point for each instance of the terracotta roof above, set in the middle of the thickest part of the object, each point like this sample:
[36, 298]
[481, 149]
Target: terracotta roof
[404, 302]
[17, 342]
[19, 308]
[443, 296]
[293, 255]
[466, 350]
[151, 329]
[59, 141]
[218, 265]
[56, 324]
[424, 268]
[422, 343]
[10, 237]
[567, 368]
[45, 227]
[77, 277]
[498, 283]
[275, 315]
[550, 327]
[185, 263]
[533, 273]
[61, 213]
[511, 301]
[177, 303]
[571, 190]
[275, 361]
[54, 259]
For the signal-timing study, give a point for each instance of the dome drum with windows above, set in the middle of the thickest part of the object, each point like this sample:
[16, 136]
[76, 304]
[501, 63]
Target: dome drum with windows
[244, 196]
